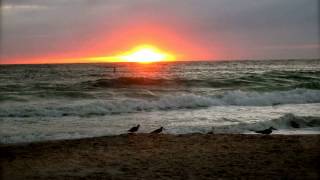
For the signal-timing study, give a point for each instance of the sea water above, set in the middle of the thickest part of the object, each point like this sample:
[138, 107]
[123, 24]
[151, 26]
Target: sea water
[66, 101]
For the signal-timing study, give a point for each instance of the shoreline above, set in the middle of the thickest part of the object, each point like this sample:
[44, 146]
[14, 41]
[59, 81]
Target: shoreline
[49, 141]
[165, 156]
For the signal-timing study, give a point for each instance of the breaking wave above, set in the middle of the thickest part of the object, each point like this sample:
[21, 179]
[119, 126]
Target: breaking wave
[98, 107]
[268, 80]
[286, 122]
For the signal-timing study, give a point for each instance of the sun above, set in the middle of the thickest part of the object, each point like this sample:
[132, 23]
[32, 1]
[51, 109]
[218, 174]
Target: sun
[140, 54]
[146, 54]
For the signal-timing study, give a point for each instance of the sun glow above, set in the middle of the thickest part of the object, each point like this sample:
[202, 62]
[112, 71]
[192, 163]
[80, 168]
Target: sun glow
[140, 54]
[146, 54]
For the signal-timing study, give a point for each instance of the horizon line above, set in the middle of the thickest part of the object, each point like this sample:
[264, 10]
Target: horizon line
[214, 60]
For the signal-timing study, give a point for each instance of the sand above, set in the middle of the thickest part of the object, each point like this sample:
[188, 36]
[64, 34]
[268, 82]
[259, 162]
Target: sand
[145, 156]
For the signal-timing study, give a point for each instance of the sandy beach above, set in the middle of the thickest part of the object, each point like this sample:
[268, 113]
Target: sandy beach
[145, 156]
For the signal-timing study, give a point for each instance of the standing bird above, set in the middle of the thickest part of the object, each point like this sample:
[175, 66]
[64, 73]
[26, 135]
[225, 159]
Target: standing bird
[212, 131]
[157, 131]
[134, 129]
[266, 131]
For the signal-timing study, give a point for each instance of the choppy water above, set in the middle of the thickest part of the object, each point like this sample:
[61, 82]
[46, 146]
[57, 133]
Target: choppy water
[42, 102]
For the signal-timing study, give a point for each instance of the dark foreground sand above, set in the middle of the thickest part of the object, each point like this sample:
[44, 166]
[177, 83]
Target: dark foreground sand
[145, 156]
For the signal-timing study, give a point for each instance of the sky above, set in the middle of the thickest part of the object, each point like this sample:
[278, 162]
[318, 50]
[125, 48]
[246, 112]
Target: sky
[55, 31]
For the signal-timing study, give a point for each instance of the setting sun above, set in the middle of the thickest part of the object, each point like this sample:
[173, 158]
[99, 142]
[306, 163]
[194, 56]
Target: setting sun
[146, 54]
[140, 54]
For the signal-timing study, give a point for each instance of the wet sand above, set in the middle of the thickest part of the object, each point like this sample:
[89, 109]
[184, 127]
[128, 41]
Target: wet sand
[145, 156]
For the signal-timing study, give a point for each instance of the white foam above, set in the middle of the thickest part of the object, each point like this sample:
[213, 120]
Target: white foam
[224, 119]
[282, 124]
[100, 107]
[296, 96]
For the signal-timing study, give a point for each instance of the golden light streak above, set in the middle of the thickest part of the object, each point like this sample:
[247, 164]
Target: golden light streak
[140, 54]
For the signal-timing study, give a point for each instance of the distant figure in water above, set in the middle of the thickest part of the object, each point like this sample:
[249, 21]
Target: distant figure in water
[157, 131]
[266, 131]
[114, 69]
[134, 129]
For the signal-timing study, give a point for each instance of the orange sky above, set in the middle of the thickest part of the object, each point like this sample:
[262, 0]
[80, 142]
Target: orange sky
[125, 38]
[67, 31]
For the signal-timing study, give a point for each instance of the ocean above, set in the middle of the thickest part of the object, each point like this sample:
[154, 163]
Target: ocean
[67, 101]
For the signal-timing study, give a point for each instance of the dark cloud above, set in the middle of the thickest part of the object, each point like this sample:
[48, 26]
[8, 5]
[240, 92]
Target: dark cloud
[246, 28]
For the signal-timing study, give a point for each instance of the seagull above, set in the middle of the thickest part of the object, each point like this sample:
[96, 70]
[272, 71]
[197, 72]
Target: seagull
[157, 131]
[294, 124]
[266, 131]
[134, 129]
[212, 131]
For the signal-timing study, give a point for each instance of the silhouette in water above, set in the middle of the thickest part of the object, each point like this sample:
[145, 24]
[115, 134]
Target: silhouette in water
[134, 129]
[266, 131]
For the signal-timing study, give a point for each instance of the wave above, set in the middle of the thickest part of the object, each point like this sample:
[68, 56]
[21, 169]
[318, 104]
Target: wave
[285, 122]
[79, 88]
[268, 80]
[100, 107]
